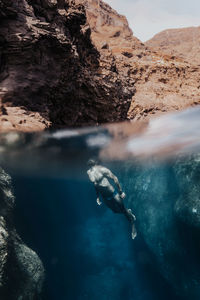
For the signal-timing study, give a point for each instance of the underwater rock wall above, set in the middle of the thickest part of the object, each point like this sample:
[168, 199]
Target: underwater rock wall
[165, 200]
[21, 270]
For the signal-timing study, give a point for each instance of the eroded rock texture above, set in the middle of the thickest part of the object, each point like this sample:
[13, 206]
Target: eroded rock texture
[163, 82]
[165, 200]
[51, 73]
[21, 271]
[75, 63]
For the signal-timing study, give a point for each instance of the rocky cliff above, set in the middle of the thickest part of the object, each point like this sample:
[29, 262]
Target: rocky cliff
[51, 73]
[162, 81]
[77, 63]
[183, 43]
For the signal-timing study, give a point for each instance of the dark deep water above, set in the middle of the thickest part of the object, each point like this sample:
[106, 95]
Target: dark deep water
[86, 250]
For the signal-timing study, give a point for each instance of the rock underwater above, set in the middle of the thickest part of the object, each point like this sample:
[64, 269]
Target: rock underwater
[165, 200]
[21, 270]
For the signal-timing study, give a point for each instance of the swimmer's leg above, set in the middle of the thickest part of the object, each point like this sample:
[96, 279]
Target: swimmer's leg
[128, 214]
[133, 231]
[131, 217]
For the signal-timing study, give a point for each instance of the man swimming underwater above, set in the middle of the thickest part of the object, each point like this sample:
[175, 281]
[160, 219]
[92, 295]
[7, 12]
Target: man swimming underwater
[113, 198]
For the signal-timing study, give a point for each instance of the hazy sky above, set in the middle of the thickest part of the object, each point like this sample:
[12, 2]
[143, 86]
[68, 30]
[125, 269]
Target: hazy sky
[148, 17]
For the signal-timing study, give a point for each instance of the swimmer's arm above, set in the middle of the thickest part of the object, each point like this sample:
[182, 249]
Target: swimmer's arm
[91, 176]
[110, 175]
[92, 179]
[116, 181]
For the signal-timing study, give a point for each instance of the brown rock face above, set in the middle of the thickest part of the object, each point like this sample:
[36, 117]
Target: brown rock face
[51, 74]
[183, 43]
[162, 82]
[77, 63]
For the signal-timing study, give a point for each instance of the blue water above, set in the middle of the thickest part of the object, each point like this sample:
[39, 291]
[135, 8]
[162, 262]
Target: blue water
[87, 251]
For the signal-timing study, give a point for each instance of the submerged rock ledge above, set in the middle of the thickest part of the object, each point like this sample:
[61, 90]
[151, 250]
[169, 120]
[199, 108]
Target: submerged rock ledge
[21, 270]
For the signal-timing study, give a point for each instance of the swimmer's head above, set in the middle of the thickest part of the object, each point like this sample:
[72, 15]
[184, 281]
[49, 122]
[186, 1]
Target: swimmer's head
[92, 162]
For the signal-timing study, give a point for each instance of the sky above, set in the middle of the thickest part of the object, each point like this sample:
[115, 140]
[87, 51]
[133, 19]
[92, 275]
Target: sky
[148, 17]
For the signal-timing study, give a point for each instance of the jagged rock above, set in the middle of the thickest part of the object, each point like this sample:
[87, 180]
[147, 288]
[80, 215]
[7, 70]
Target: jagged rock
[51, 74]
[76, 63]
[21, 271]
[162, 82]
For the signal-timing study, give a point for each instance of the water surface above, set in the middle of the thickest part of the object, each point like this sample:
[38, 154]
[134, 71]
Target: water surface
[87, 250]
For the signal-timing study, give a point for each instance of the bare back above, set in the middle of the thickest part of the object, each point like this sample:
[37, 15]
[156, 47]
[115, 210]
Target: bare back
[99, 176]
